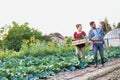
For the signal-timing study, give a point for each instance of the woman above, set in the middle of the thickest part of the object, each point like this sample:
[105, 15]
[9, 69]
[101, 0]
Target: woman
[80, 49]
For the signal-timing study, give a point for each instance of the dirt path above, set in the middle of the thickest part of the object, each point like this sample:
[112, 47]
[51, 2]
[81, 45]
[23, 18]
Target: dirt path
[115, 75]
[88, 73]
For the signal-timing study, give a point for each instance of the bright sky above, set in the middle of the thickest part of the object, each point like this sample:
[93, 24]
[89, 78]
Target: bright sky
[58, 15]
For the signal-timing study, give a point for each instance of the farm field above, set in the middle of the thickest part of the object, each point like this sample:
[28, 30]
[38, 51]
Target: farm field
[35, 67]
[26, 54]
[111, 71]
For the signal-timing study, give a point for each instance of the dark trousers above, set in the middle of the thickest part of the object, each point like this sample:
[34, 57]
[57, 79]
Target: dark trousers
[98, 47]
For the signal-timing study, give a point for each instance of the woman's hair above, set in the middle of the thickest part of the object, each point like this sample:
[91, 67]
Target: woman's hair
[103, 25]
[78, 25]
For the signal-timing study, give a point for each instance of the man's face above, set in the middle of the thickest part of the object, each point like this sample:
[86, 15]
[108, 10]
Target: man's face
[93, 25]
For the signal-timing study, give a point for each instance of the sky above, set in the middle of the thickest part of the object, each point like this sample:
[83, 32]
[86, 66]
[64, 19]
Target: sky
[49, 16]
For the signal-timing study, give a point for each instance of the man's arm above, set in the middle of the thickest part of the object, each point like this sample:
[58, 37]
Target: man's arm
[93, 39]
[97, 39]
[90, 35]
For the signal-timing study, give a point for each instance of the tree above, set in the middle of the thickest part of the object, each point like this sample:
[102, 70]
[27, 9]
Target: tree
[17, 33]
[37, 34]
[118, 25]
[107, 24]
[114, 26]
[46, 38]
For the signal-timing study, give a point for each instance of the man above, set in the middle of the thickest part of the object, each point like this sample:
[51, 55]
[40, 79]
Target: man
[97, 43]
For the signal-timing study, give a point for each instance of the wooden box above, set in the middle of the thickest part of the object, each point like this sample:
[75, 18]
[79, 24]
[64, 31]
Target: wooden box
[78, 42]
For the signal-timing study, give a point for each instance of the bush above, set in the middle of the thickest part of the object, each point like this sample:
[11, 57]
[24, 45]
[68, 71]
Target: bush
[34, 48]
[16, 35]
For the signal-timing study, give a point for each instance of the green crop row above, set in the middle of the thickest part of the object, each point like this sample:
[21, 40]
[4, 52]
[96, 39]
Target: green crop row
[35, 67]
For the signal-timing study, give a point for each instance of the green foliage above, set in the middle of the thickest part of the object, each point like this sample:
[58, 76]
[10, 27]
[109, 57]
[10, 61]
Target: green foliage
[1, 43]
[45, 65]
[46, 38]
[68, 40]
[107, 24]
[118, 25]
[35, 47]
[36, 66]
[16, 35]
[43, 48]
[37, 34]
[38, 59]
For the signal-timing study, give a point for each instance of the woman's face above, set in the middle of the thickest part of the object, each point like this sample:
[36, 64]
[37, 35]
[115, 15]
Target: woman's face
[80, 28]
[102, 24]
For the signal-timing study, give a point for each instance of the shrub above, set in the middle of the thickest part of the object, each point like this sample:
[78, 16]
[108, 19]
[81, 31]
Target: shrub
[16, 35]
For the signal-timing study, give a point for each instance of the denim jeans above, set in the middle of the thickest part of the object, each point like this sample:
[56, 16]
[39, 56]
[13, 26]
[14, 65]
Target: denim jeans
[98, 47]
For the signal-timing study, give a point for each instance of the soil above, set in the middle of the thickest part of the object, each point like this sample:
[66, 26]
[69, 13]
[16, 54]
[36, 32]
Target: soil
[84, 74]
[115, 75]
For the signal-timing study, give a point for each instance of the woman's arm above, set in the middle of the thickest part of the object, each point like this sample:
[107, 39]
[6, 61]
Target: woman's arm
[74, 36]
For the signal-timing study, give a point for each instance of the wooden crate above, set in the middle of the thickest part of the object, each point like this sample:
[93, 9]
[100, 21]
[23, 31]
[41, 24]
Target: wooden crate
[78, 42]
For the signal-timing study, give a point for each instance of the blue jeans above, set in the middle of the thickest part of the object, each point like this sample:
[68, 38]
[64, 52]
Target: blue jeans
[98, 47]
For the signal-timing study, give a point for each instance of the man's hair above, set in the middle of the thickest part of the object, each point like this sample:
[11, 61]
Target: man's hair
[92, 22]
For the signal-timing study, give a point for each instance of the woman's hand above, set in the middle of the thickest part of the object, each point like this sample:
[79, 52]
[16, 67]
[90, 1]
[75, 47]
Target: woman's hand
[86, 38]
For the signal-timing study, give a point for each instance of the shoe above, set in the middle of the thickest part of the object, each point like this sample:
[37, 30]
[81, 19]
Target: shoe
[79, 65]
[102, 61]
[96, 62]
[95, 65]
[79, 62]
[102, 65]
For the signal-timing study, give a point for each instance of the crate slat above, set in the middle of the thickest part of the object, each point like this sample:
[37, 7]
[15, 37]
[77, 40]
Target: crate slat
[78, 42]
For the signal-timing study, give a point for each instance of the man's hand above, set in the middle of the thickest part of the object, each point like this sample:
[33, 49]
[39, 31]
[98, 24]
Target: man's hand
[97, 39]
